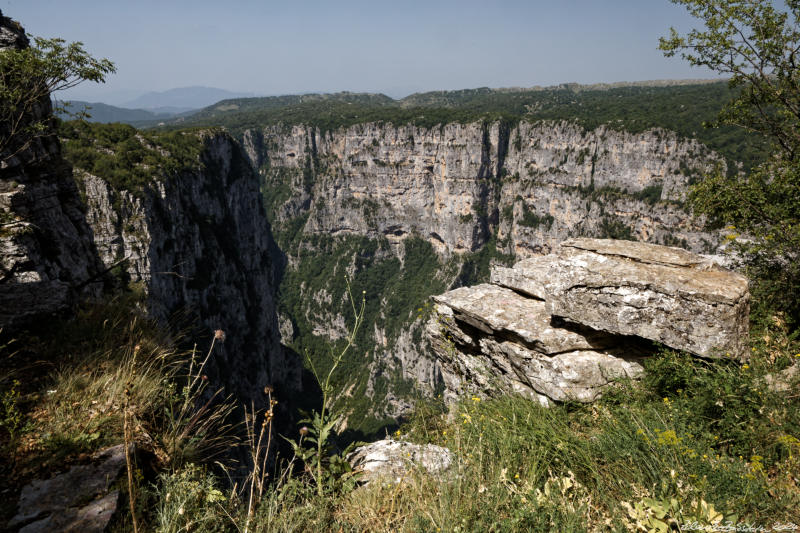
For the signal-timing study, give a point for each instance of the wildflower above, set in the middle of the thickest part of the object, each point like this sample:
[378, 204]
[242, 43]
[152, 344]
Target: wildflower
[204, 377]
[219, 335]
[476, 399]
[303, 431]
[745, 366]
[268, 389]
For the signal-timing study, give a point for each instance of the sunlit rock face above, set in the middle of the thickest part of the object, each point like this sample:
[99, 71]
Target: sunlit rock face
[567, 325]
[47, 255]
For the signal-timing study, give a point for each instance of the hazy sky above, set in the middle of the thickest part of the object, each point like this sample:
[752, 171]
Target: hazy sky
[294, 46]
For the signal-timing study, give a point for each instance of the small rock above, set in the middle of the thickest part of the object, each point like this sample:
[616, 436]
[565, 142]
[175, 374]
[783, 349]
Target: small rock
[391, 460]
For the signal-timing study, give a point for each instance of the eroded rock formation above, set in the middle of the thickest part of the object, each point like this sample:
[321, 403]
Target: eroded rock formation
[199, 243]
[567, 325]
[47, 254]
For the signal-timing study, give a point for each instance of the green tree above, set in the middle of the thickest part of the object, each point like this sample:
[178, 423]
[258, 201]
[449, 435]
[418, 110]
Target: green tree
[27, 78]
[756, 44]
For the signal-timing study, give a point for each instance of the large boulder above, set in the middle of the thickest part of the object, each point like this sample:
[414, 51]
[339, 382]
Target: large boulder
[79, 500]
[664, 294]
[565, 326]
[491, 340]
[393, 460]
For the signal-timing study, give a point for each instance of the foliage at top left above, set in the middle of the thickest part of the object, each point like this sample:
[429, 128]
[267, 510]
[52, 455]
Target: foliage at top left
[126, 157]
[27, 78]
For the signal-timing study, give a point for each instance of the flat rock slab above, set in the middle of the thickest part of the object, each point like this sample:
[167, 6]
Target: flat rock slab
[392, 460]
[77, 500]
[506, 314]
[491, 340]
[664, 294]
[524, 277]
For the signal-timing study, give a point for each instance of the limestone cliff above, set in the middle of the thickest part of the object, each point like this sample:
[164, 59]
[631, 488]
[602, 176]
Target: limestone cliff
[371, 196]
[198, 242]
[47, 256]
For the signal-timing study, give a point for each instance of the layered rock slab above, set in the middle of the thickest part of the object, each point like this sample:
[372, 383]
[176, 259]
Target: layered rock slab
[490, 338]
[663, 294]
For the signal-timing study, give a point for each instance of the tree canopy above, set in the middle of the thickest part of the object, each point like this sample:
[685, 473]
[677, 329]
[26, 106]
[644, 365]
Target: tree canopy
[756, 44]
[27, 78]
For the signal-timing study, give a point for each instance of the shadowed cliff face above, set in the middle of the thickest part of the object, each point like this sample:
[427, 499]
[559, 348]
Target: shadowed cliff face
[47, 254]
[199, 244]
[381, 202]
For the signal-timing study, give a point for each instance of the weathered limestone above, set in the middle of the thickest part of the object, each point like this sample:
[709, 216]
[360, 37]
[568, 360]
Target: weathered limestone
[567, 325]
[79, 500]
[47, 256]
[391, 460]
[663, 294]
[506, 342]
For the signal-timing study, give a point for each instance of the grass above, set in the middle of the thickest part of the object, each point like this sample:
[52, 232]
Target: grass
[694, 441]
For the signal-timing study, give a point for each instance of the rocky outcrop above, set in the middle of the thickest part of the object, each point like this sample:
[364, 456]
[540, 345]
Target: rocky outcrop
[667, 295]
[198, 242]
[47, 255]
[567, 325]
[516, 189]
[79, 500]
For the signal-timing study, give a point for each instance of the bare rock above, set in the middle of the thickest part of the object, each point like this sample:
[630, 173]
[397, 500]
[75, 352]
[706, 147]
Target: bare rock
[664, 294]
[391, 460]
[491, 340]
[77, 500]
[785, 380]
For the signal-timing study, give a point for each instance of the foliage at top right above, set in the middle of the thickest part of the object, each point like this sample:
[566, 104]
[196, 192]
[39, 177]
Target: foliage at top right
[756, 44]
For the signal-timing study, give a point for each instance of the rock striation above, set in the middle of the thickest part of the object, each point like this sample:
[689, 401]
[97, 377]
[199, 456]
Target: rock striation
[47, 254]
[567, 325]
[477, 188]
[199, 244]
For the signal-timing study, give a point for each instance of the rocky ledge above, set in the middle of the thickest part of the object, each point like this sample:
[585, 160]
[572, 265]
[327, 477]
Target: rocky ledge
[567, 325]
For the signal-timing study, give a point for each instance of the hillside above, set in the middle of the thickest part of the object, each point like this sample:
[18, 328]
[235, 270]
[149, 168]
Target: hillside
[682, 108]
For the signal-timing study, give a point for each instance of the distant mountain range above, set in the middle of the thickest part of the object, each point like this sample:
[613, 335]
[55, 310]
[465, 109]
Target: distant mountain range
[152, 107]
[100, 112]
[181, 99]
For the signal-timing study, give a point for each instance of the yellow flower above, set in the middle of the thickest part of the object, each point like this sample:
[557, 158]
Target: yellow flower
[745, 366]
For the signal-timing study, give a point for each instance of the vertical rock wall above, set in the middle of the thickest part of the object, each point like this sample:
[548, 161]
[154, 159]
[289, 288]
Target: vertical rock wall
[47, 254]
[199, 243]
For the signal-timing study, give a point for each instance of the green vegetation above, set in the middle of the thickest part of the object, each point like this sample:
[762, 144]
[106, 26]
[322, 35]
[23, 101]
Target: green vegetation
[694, 441]
[532, 220]
[393, 292]
[127, 158]
[27, 78]
[680, 108]
[755, 43]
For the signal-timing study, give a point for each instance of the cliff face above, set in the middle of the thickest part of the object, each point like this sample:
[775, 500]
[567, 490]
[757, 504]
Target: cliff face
[473, 194]
[534, 183]
[199, 243]
[47, 256]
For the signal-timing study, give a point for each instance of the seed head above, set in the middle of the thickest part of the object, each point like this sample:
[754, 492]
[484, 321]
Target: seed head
[303, 431]
[219, 335]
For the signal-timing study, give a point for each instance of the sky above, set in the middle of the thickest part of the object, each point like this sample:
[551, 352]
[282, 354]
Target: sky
[395, 47]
